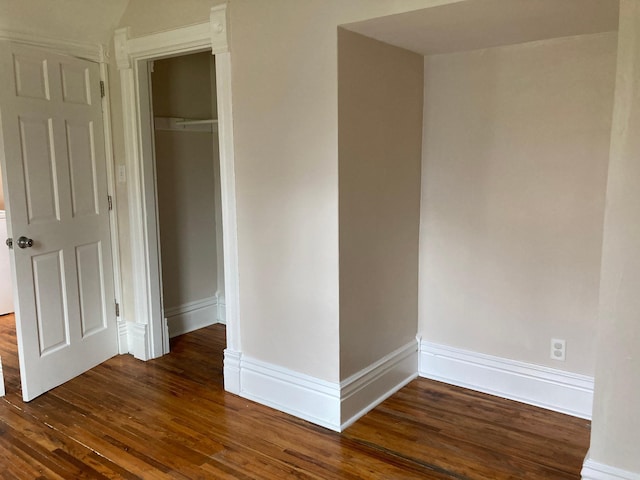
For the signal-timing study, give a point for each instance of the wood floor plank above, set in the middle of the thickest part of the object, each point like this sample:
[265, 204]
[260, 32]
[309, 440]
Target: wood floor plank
[170, 418]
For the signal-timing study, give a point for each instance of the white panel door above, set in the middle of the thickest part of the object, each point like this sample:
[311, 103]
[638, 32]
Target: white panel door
[53, 159]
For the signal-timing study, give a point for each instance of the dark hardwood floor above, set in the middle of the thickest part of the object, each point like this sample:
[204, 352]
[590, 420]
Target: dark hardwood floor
[171, 419]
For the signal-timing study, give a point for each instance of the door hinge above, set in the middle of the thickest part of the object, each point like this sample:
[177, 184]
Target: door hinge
[117, 309]
[102, 88]
[110, 201]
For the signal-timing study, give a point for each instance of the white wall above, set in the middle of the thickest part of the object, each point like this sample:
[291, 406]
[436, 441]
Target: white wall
[85, 21]
[285, 100]
[516, 144]
[150, 16]
[284, 70]
[1, 195]
[185, 180]
[615, 434]
[380, 91]
[182, 86]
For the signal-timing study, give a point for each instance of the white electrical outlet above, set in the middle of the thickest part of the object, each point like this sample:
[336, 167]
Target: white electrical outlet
[558, 349]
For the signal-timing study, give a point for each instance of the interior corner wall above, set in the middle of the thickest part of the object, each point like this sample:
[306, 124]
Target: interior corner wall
[284, 71]
[516, 148]
[615, 433]
[186, 185]
[380, 98]
[285, 112]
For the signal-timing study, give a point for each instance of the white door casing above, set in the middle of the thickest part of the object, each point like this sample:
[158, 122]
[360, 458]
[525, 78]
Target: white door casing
[53, 159]
[147, 335]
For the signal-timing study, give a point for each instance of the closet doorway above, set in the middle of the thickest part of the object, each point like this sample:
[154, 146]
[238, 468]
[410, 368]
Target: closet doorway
[187, 174]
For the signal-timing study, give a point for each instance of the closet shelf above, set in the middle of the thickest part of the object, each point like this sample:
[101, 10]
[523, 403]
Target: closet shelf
[196, 122]
[186, 124]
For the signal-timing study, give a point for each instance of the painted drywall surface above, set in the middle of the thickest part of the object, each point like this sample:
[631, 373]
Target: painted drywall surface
[85, 21]
[380, 99]
[284, 81]
[185, 181]
[284, 55]
[285, 101]
[615, 434]
[474, 25]
[516, 143]
[182, 86]
[150, 16]
[1, 195]
[186, 192]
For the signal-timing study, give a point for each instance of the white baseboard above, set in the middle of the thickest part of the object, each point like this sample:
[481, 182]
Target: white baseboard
[123, 337]
[2, 390]
[222, 310]
[331, 405]
[369, 387]
[592, 470]
[191, 316]
[544, 387]
[137, 339]
[302, 396]
[232, 371]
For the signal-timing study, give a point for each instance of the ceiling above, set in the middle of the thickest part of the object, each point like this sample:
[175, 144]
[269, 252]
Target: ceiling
[477, 24]
[85, 21]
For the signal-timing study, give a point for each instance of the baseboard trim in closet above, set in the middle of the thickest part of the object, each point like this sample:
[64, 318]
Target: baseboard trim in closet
[191, 316]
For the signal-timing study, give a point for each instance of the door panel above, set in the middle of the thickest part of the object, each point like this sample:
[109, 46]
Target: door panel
[38, 163]
[90, 275]
[76, 87]
[52, 149]
[84, 190]
[52, 318]
[31, 76]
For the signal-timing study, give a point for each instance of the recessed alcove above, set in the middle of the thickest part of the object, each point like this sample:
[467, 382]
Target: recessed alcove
[490, 242]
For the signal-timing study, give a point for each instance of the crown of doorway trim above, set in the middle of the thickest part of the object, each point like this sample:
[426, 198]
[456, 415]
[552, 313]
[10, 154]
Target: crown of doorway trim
[211, 34]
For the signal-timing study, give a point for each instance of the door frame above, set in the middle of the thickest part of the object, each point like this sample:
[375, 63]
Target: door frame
[94, 53]
[146, 331]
